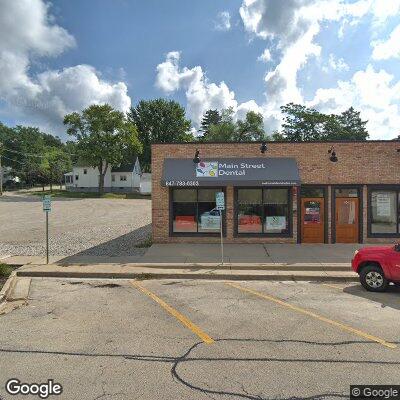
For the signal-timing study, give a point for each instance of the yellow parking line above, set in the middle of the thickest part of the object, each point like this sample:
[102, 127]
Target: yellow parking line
[316, 316]
[185, 321]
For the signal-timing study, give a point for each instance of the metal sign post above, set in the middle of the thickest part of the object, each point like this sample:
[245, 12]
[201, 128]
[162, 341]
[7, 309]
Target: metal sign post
[47, 209]
[220, 203]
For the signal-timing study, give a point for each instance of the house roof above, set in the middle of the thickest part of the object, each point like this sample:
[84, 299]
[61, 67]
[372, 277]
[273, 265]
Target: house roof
[125, 167]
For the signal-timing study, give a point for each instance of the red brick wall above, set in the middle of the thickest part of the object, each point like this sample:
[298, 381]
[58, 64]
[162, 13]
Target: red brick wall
[359, 163]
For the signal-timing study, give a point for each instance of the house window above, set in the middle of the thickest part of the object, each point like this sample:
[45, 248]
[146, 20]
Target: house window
[112, 178]
[85, 171]
[384, 212]
[263, 211]
[122, 177]
[193, 211]
[76, 177]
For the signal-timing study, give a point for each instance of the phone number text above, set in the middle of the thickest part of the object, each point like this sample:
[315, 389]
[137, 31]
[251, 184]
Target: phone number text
[181, 183]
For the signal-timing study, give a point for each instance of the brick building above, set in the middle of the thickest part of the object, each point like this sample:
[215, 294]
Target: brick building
[291, 193]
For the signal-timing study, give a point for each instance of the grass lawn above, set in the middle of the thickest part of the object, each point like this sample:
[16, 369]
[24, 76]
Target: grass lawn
[5, 271]
[91, 195]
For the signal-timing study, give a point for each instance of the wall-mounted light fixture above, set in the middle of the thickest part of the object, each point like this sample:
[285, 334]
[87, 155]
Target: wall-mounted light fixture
[263, 147]
[196, 158]
[332, 153]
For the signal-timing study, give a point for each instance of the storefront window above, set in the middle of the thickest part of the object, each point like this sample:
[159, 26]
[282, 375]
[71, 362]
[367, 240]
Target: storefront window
[193, 211]
[209, 217]
[311, 192]
[346, 192]
[184, 209]
[250, 211]
[276, 211]
[384, 212]
[263, 211]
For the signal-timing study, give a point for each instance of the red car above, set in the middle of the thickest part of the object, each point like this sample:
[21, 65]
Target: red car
[377, 266]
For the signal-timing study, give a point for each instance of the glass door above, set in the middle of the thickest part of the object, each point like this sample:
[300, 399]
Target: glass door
[313, 221]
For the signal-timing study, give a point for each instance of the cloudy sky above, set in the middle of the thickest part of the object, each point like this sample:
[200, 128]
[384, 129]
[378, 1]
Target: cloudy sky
[60, 56]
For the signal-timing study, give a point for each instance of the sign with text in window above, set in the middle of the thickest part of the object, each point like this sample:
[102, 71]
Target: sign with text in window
[220, 201]
[383, 205]
[46, 203]
[275, 223]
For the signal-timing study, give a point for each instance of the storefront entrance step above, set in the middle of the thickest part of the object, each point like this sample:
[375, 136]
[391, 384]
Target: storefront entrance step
[212, 273]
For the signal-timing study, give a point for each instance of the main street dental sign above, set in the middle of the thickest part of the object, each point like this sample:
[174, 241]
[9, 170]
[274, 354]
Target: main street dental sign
[230, 171]
[214, 169]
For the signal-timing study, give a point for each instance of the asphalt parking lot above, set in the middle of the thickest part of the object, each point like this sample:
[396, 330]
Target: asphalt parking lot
[99, 227]
[201, 339]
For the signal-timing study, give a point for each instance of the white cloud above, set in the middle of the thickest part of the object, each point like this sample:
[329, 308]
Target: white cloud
[292, 26]
[374, 93]
[44, 99]
[265, 56]
[223, 22]
[390, 48]
[201, 94]
[379, 10]
[335, 64]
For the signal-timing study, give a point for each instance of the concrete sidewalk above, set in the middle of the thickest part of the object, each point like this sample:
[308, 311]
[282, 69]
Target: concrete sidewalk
[286, 254]
[251, 253]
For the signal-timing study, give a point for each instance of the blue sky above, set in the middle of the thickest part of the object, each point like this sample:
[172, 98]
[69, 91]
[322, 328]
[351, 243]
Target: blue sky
[60, 56]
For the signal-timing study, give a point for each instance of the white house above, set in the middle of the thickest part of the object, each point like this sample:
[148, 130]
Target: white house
[125, 178]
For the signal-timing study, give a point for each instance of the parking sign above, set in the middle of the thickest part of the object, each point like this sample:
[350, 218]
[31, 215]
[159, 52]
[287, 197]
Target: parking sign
[46, 203]
[220, 200]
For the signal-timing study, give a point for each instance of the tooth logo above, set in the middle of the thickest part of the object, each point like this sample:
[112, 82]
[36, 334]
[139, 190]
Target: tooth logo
[208, 169]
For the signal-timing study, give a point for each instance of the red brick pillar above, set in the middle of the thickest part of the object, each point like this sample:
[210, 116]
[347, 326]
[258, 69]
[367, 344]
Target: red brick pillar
[229, 213]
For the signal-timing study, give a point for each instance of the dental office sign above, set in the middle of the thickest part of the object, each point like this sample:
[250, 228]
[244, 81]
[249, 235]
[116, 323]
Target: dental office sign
[214, 169]
[178, 172]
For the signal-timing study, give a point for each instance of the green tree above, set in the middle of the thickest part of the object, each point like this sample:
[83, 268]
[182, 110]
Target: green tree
[225, 130]
[210, 117]
[27, 150]
[278, 136]
[251, 128]
[103, 135]
[55, 164]
[352, 127]
[304, 124]
[159, 121]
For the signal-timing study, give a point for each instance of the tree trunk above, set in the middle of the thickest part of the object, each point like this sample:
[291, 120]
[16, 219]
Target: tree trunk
[101, 183]
[102, 174]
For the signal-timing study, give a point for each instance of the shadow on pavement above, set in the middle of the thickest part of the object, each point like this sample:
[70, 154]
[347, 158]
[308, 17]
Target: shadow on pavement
[390, 298]
[120, 250]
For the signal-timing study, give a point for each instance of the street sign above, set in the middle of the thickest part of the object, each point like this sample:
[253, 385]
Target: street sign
[47, 203]
[220, 203]
[220, 200]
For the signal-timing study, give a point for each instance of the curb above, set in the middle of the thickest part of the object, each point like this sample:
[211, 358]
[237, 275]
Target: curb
[185, 275]
[8, 287]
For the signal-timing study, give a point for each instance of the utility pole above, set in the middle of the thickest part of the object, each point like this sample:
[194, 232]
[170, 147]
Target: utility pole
[1, 171]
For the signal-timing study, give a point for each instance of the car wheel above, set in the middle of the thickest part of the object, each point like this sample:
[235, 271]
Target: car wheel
[373, 279]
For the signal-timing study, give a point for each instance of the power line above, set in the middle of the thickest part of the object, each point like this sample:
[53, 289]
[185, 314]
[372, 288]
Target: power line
[10, 159]
[31, 155]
